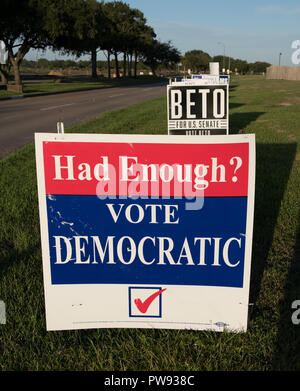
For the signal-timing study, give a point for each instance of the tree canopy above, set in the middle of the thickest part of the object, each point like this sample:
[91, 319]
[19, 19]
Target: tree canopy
[196, 60]
[159, 53]
[79, 27]
[21, 28]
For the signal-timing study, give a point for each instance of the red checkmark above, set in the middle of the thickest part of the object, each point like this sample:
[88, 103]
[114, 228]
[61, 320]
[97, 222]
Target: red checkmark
[144, 305]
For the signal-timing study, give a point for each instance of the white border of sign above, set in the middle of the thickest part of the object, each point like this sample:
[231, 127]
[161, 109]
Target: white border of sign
[199, 84]
[205, 80]
[81, 306]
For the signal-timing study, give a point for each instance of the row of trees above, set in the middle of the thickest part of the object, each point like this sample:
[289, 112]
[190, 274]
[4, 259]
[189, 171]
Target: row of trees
[81, 27]
[44, 65]
[193, 63]
[198, 61]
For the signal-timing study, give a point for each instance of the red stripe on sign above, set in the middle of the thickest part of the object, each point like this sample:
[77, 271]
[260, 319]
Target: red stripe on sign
[146, 169]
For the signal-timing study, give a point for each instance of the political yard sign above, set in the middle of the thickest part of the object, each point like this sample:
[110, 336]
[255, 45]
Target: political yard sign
[197, 109]
[210, 79]
[146, 231]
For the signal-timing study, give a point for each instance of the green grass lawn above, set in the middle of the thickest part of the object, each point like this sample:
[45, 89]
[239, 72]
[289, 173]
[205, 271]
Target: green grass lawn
[268, 108]
[77, 83]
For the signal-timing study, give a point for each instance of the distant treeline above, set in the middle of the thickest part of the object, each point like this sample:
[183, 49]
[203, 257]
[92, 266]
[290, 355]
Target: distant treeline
[45, 65]
[241, 66]
[198, 61]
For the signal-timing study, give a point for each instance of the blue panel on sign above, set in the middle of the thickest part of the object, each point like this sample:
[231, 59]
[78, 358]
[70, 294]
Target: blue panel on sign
[146, 241]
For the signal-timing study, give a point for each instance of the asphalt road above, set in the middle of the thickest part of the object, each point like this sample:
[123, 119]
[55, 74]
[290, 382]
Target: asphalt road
[21, 118]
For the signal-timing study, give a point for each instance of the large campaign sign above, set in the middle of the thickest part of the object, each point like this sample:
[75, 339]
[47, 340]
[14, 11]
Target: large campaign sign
[146, 231]
[197, 109]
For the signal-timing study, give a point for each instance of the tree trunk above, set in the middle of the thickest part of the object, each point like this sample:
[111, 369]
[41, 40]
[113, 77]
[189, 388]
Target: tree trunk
[124, 64]
[4, 73]
[130, 65]
[18, 79]
[16, 67]
[153, 69]
[135, 63]
[108, 65]
[117, 65]
[16, 60]
[94, 63]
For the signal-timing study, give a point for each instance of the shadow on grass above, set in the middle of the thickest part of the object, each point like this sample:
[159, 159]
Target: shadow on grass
[273, 165]
[234, 106]
[287, 353]
[238, 121]
[19, 219]
[232, 87]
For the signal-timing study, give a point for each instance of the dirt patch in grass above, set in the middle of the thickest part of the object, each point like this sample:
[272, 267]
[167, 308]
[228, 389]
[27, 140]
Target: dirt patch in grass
[293, 100]
[285, 104]
[292, 137]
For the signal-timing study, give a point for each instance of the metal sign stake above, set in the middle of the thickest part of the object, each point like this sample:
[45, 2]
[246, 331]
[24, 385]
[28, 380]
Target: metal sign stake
[60, 128]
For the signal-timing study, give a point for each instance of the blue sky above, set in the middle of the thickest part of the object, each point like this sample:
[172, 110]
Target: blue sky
[252, 30]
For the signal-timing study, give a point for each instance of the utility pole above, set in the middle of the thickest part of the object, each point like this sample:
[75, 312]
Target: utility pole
[221, 43]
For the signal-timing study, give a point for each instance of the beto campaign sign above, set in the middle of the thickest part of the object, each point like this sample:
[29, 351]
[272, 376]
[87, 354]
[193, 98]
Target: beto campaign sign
[146, 231]
[210, 79]
[197, 109]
